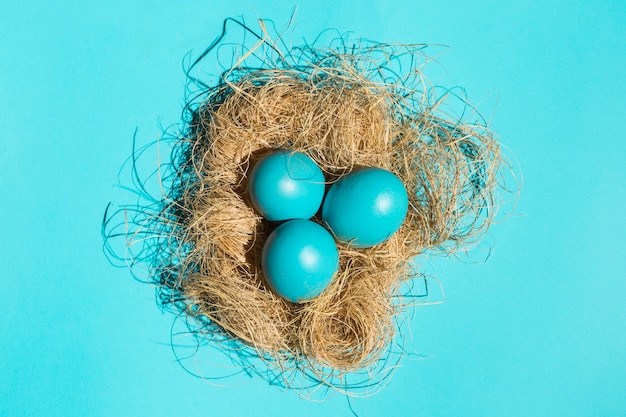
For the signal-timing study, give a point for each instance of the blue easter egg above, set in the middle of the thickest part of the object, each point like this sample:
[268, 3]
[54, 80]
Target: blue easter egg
[299, 260]
[286, 185]
[366, 207]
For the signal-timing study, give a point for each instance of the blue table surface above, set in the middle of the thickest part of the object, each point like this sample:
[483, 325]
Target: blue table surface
[537, 330]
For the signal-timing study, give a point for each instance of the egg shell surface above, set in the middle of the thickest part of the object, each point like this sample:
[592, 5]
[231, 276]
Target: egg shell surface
[365, 207]
[299, 260]
[285, 185]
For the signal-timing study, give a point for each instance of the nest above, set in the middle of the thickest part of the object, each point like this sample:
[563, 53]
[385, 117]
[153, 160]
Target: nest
[346, 108]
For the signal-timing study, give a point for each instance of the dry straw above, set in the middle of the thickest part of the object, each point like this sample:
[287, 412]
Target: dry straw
[346, 105]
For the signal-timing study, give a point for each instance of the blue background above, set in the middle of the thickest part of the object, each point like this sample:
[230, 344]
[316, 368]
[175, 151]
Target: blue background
[538, 330]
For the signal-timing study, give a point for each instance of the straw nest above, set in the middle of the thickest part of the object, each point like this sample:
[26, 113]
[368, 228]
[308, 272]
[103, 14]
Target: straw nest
[344, 108]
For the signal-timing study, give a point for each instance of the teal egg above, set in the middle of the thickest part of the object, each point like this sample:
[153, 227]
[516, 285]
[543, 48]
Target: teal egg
[299, 260]
[286, 185]
[365, 207]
